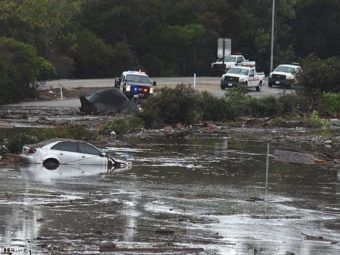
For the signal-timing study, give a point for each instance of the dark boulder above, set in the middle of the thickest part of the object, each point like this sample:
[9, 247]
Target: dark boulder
[107, 101]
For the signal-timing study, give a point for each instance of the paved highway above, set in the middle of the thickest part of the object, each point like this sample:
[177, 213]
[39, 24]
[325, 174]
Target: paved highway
[211, 84]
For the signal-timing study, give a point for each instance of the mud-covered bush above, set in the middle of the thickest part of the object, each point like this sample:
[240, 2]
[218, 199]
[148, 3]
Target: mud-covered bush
[121, 125]
[14, 144]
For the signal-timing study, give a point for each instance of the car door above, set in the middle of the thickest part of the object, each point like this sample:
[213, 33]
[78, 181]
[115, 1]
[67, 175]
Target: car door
[251, 80]
[67, 152]
[91, 155]
[239, 61]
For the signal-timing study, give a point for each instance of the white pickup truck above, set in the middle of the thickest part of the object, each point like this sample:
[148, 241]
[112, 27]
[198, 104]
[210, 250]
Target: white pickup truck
[284, 75]
[231, 61]
[242, 75]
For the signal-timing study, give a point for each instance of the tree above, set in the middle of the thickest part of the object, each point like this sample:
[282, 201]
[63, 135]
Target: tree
[318, 28]
[47, 19]
[21, 68]
[92, 57]
[320, 75]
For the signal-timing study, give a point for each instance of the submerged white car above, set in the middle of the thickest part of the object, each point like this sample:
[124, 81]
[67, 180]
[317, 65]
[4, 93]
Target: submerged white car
[53, 153]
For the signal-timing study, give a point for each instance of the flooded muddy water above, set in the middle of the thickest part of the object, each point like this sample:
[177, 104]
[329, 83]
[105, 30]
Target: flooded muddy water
[204, 195]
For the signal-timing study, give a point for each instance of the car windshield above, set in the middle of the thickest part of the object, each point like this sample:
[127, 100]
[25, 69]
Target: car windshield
[138, 78]
[241, 71]
[285, 69]
[227, 59]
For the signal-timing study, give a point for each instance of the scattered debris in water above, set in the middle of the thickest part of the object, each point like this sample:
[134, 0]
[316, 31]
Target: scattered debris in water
[298, 157]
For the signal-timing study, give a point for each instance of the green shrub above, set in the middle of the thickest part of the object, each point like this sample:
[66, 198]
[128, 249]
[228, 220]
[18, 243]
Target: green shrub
[66, 131]
[216, 109]
[264, 107]
[292, 104]
[319, 75]
[330, 104]
[179, 105]
[15, 144]
[121, 125]
[238, 100]
[318, 122]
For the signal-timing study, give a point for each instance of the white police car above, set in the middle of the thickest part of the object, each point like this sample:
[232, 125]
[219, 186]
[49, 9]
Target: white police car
[135, 84]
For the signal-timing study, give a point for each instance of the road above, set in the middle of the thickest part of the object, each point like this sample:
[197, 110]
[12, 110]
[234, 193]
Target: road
[211, 84]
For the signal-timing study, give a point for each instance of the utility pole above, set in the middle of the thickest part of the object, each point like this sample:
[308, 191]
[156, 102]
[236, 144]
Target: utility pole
[272, 41]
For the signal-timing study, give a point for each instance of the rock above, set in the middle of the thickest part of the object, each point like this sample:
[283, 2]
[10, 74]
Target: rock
[335, 122]
[164, 232]
[107, 246]
[107, 101]
[113, 134]
[254, 199]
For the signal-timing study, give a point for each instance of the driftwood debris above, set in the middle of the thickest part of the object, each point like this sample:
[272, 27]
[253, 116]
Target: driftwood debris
[298, 157]
[319, 238]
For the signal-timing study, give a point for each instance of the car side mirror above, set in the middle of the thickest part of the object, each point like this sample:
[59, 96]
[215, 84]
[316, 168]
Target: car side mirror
[154, 83]
[251, 75]
[103, 154]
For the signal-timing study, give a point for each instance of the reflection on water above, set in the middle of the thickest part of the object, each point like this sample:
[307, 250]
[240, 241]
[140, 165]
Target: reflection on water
[206, 192]
[39, 173]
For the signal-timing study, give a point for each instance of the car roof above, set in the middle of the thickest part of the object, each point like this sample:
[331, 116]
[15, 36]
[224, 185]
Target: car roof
[290, 65]
[242, 67]
[135, 73]
[55, 140]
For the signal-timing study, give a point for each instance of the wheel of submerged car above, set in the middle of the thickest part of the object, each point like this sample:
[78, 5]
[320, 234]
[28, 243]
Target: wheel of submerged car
[51, 164]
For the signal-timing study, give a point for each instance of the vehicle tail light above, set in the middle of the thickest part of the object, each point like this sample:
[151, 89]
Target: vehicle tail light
[32, 150]
[145, 90]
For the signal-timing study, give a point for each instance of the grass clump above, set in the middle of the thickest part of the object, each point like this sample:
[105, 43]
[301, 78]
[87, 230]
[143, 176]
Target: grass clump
[121, 126]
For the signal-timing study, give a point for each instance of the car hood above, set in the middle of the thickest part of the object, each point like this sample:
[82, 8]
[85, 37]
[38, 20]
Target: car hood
[234, 75]
[281, 73]
[139, 84]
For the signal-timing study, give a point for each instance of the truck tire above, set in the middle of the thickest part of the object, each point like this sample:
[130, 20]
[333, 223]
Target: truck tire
[258, 88]
[222, 85]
